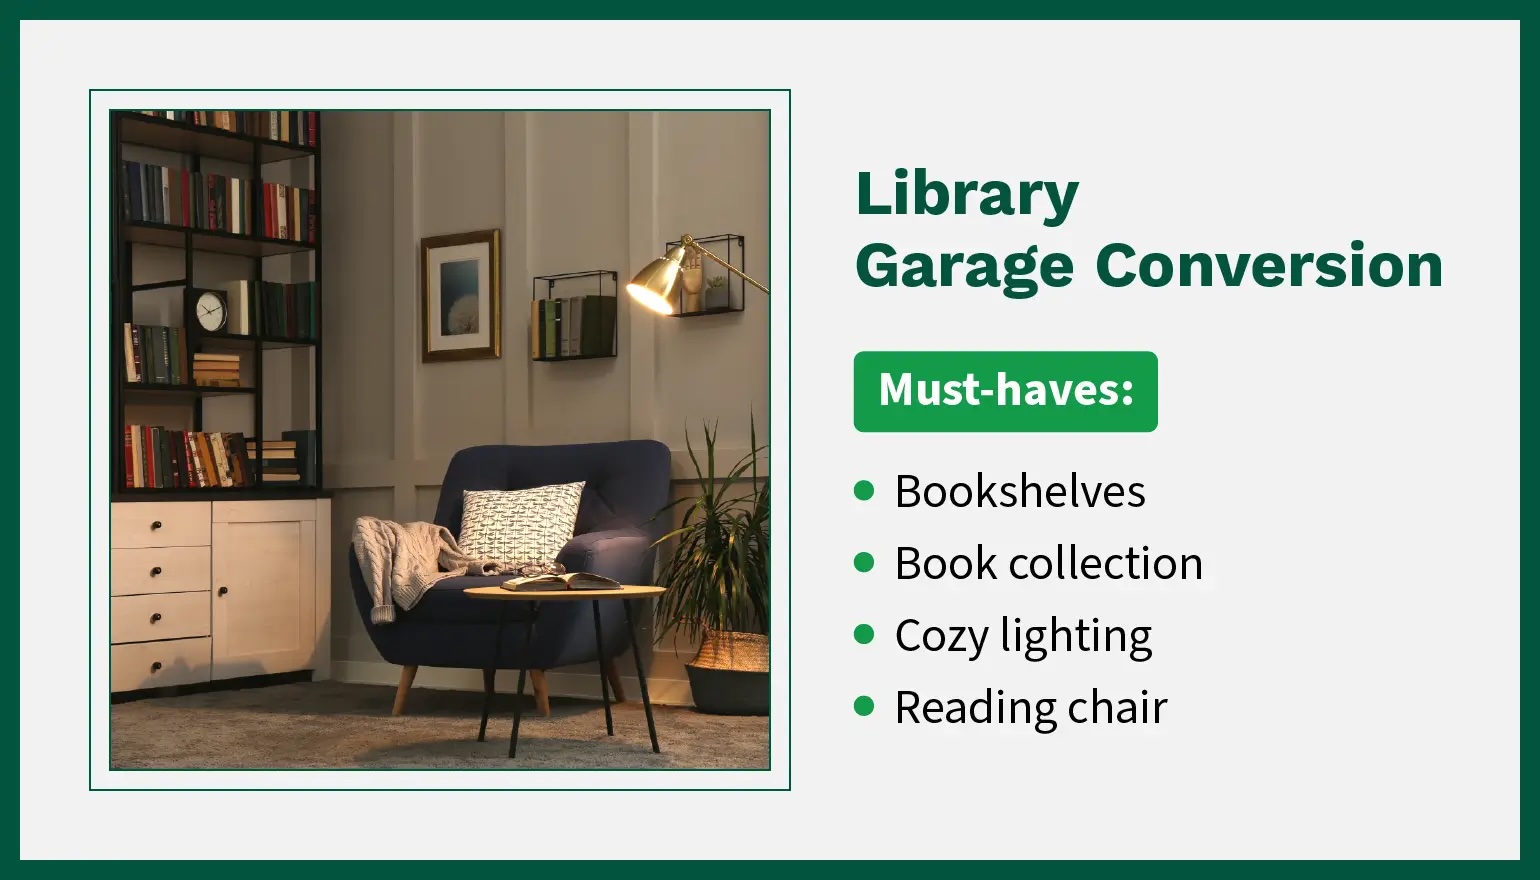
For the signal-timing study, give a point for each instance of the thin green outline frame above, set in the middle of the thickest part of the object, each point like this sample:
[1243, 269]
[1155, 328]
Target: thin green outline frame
[785, 292]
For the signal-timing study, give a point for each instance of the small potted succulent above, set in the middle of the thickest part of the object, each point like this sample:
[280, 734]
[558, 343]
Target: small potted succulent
[718, 295]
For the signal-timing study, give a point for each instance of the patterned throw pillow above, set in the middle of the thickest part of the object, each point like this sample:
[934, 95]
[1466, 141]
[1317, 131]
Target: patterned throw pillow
[521, 526]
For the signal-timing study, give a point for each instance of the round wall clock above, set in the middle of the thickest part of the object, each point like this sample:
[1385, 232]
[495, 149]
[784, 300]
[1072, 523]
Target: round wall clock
[211, 311]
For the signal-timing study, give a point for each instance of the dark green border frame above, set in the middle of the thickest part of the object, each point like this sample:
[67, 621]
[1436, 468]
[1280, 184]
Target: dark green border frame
[785, 464]
[970, 10]
[1529, 243]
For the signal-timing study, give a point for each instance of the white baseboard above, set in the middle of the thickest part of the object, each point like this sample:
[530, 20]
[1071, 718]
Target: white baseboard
[663, 691]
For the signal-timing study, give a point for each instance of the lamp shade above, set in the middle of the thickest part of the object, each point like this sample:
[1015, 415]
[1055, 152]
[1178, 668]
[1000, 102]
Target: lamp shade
[653, 287]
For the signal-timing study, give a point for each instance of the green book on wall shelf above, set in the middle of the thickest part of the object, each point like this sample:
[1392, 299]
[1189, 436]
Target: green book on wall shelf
[606, 322]
[548, 343]
[588, 344]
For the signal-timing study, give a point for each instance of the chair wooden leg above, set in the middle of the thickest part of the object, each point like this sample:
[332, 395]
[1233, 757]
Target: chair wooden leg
[542, 694]
[609, 670]
[407, 674]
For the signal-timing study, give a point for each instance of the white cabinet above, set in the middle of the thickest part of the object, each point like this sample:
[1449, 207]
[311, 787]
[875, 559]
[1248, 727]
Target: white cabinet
[215, 590]
[264, 597]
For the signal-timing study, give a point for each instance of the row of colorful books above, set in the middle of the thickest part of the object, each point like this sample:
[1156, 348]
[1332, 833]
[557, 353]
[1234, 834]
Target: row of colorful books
[160, 458]
[156, 457]
[179, 197]
[155, 354]
[287, 126]
[215, 202]
[574, 326]
[290, 310]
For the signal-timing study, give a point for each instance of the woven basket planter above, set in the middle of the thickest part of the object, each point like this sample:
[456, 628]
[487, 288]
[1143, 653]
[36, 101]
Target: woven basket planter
[731, 674]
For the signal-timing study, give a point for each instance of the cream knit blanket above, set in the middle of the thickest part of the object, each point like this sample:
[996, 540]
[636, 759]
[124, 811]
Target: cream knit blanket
[402, 561]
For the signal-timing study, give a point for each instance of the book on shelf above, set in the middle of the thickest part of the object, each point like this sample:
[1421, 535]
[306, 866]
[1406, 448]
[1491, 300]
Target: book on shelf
[290, 310]
[217, 203]
[290, 212]
[217, 370]
[290, 460]
[181, 197]
[271, 449]
[155, 457]
[237, 306]
[574, 326]
[572, 580]
[278, 462]
[305, 455]
[288, 126]
[154, 354]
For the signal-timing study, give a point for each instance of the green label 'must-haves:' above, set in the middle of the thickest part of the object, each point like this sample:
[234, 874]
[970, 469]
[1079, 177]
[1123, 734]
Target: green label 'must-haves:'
[991, 391]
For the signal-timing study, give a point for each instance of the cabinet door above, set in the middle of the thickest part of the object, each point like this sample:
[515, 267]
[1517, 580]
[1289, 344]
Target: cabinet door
[264, 597]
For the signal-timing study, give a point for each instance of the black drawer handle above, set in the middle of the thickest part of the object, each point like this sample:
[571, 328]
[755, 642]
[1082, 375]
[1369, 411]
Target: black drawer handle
[155, 618]
[223, 590]
[155, 572]
[155, 667]
[154, 525]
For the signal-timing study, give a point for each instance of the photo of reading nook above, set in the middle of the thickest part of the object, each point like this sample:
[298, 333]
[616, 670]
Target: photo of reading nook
[441, 551]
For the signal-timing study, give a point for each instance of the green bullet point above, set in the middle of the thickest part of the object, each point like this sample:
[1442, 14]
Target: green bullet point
[864, 634]
[864, 705]
[864, 562]
[865, 490]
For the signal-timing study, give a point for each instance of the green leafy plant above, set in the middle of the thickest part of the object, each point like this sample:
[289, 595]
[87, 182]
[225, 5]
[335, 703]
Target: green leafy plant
[718, 570]
[716, 282]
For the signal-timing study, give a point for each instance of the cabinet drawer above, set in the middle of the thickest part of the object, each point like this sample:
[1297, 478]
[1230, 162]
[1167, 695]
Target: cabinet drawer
[160, 570]
[294, 510]
[160, 664]
[160, 524]
[160, 616]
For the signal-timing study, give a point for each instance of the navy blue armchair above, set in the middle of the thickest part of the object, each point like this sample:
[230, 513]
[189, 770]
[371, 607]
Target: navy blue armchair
[627, 483]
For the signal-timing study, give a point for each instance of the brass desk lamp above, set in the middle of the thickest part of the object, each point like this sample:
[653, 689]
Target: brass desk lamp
[654, 286]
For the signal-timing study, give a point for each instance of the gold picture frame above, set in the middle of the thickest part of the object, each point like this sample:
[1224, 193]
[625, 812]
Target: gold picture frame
[462, 296]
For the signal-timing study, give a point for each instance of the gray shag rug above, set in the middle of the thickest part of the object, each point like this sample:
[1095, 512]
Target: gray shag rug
[335, 725]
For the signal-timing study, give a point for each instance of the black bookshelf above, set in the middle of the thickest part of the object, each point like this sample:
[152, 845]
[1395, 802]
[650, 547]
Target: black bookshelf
[165, 235]
[154, 388]
[175, 136]
[197, 143]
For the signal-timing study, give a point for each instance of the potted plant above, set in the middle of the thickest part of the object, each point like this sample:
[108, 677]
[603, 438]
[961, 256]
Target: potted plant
[718, 295]
[718, 578]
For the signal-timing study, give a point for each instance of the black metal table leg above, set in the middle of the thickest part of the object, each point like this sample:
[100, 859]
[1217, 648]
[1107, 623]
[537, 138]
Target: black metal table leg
[489, 675]
[604, 683]
[488, 681]
[518, 702]
[641, 677]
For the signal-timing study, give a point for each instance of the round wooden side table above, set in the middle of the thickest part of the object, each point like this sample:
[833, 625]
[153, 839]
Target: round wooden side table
[536, 598]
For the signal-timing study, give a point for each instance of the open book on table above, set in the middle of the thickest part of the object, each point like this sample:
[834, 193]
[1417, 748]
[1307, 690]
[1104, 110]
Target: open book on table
[572, 580]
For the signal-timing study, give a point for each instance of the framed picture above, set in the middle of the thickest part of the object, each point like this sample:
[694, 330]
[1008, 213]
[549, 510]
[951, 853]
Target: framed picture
[462, 296]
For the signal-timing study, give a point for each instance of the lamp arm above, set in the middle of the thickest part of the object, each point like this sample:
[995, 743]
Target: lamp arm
[691, 243]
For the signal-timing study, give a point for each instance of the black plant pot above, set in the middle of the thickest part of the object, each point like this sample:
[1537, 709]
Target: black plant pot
[729, 691]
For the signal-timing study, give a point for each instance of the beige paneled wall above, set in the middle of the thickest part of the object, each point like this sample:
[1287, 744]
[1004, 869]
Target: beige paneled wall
[713, 178]
[578, 194]
[357, 201]
[460, 189]
[569, 191]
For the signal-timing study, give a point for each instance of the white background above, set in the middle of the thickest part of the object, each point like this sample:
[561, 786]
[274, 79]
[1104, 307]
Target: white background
[1343, 682]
